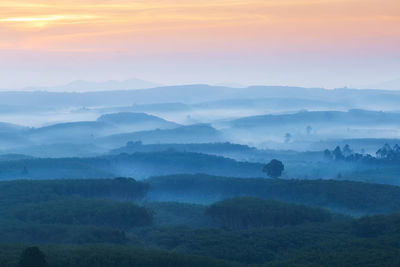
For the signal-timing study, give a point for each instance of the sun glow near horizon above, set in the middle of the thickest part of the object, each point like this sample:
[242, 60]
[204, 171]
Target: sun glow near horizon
[232, 19]
[245, 31]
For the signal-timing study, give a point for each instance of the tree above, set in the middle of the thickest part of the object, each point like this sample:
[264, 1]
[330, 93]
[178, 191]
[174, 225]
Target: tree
[337, 153]
[274, 168]
[32, 257]
[384, 152]
[347, 151]
[327, 154]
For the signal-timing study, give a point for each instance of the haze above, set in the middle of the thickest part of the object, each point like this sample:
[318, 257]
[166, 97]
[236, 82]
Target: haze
[332, 43]
[199, 133]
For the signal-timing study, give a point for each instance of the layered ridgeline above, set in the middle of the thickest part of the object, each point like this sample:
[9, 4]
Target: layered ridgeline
[98, 136]
[140, 165]
[274, 117]
[195, 153]
[311, 130]
[301, 131]
[222, 159]
[105, 125]
[343, 196]
[199, 93]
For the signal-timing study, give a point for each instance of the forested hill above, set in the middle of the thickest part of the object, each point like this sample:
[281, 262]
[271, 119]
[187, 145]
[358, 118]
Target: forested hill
[138, 165]
[115, 221]
[344, 196]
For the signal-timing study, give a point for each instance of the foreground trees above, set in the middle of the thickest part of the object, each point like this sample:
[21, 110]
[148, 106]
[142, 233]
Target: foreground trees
[249, 212]
[32, 257]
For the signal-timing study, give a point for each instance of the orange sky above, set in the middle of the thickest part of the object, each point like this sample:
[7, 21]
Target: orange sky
[357, 29]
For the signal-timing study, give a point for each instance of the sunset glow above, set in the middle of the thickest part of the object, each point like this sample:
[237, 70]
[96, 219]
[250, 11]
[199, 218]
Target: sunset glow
[249, 29]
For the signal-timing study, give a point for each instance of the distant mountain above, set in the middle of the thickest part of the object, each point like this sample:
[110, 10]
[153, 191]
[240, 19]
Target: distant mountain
[388, 85]
[231, 84]
[85, 86]
[193, 94]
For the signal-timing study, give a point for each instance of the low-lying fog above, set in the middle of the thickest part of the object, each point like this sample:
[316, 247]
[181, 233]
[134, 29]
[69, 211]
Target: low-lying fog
[270, 122]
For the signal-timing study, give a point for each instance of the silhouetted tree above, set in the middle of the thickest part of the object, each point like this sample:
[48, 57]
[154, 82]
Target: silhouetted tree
[32, 257]
[347, 151]
[274, 168]
[384, 152]
[337, 153]
[327, 154]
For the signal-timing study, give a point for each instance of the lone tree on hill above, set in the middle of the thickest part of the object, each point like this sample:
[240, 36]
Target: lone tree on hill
[274, 168]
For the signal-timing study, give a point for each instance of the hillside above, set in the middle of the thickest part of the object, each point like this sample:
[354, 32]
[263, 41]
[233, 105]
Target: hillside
[344, 196]
[350, 118]
[199, 133]
[138, 165]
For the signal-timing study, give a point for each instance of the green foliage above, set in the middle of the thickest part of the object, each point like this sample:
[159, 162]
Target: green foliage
[343, 196]
[266, 232]
[79, 211]
[71, 211]
[176, 213]
[44, 190]
[109, 256]
[250, 246]
[248, 212]
[139, 165]
[346, 253]
[33, 233]
[376, 225]
[313, 244]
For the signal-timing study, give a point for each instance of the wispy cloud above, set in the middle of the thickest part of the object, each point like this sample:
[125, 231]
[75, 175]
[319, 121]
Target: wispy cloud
[49, 18]
[39, 23]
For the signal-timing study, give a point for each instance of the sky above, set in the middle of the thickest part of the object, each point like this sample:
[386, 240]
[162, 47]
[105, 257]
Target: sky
[313, 43]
